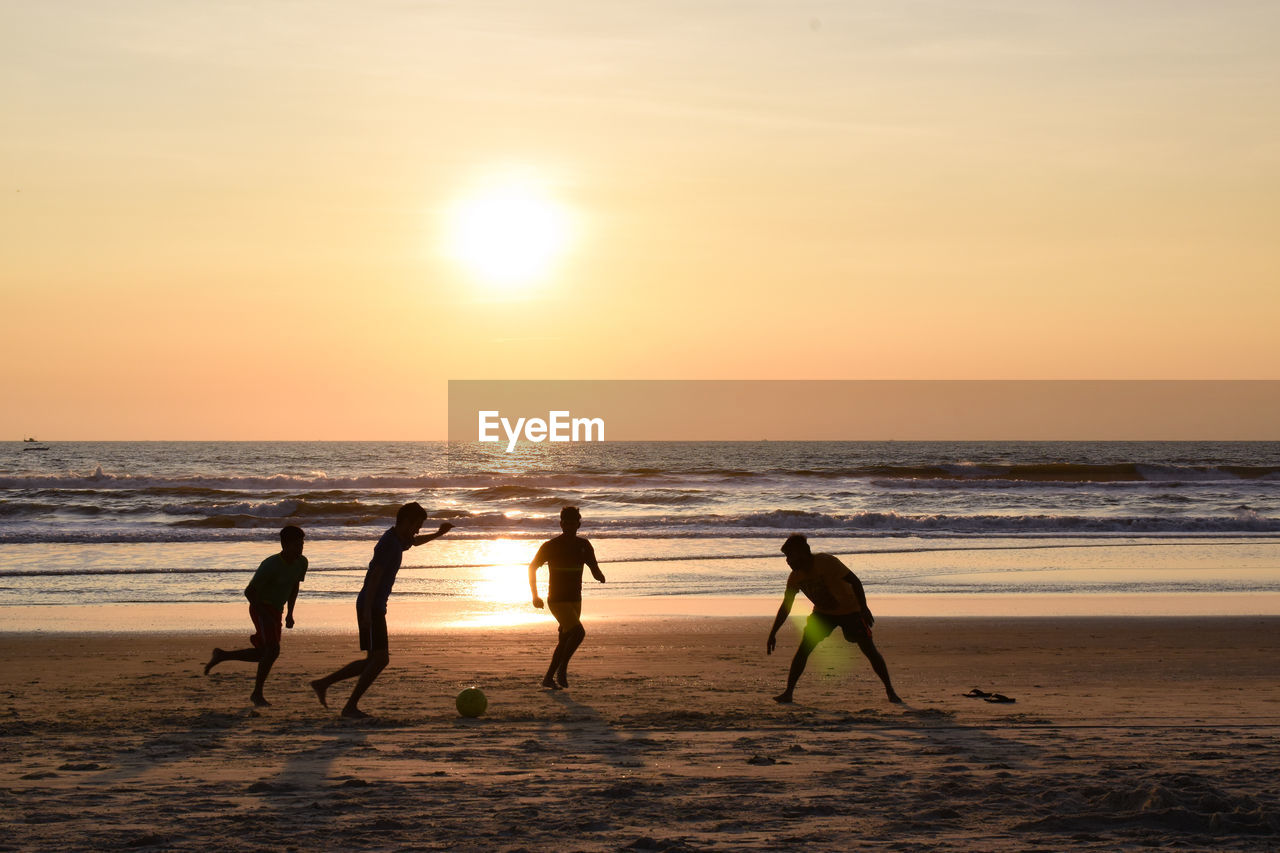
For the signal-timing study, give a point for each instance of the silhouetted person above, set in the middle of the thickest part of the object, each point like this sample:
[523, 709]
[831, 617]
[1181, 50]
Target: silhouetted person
[274, 585]
[564, 556]
[371, 605]
[838, 602]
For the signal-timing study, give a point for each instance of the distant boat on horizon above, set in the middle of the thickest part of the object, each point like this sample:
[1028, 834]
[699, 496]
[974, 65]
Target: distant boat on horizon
[30, 439]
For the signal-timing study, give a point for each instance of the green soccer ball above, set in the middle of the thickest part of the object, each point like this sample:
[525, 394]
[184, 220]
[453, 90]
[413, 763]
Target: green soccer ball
[471, 702]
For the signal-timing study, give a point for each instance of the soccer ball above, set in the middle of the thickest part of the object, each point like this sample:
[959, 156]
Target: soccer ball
[471, 702]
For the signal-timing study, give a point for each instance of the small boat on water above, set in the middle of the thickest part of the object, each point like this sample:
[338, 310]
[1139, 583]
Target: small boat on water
[30, 439]
[35, 442]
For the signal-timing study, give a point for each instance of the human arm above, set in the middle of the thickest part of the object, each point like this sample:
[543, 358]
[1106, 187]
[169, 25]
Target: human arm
[590, 560]
[788, 598]
[427, 537]
[538, 559]
[293, 597]
[858, 593]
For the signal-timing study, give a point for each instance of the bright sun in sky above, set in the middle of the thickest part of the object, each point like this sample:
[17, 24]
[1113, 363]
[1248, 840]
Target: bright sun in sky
[509, 233]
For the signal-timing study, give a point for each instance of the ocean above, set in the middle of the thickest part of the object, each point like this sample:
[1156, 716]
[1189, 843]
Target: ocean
[84, 523]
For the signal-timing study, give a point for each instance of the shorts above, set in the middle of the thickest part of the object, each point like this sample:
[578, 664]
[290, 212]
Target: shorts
[567, 613]
[373, 631]
[820, 625]
[267, 625]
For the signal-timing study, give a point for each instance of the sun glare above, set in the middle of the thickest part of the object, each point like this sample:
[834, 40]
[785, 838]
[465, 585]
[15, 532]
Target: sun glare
[505, 580]
[508, 233]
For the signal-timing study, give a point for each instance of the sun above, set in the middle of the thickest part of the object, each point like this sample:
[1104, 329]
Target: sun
[508, 233]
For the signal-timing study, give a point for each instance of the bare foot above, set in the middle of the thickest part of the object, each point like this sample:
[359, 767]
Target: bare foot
[320, 688]
[259, 701]
[895, 698]
[562, 679]
[354, 714]
[549, 684]
[783, 698]
[216, 658]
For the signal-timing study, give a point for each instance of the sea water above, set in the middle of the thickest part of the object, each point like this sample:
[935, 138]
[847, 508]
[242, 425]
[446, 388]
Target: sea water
[86, 523]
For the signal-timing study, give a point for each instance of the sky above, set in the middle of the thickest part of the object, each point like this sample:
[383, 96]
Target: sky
[497, 411]
[227, 220]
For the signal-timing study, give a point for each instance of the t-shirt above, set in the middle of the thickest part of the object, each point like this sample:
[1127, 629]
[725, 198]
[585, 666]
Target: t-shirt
[387, 554]
[274, 580]
[565, 556]
[826, 587]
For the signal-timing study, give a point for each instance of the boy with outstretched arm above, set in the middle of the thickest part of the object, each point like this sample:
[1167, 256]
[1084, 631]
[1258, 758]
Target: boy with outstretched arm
[371, 606]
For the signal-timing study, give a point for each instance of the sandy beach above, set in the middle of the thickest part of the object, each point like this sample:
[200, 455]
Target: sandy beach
[1126, 734]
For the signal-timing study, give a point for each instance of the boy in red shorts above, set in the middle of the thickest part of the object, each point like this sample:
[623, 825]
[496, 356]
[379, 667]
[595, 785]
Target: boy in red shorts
[274, 585]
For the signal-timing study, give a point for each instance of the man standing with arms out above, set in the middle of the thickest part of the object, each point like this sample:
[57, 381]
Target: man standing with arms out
[274, 585]
[565, 556]
[838, 602]
[371, 606]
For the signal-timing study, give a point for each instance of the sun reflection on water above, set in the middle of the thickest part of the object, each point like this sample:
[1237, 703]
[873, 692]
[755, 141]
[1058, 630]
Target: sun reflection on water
[504, 578]
[498, 585]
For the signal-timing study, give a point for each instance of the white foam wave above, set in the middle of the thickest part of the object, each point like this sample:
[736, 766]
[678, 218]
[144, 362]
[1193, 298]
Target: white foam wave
[101, 479]
[318, 481]
[1012, 525]
[490, 525]
[267, 509]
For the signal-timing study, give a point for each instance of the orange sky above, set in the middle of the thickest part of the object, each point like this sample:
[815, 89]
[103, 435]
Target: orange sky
[864, 410]
[225, 221]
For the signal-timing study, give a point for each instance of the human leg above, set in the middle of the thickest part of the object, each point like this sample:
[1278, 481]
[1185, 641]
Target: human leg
[376, 662]
[373, 638]
[572, 640]
[548, 680]
[268, 623]
[868, 647]
[221, 655]
[321, 685]
[816, 629]
[569, 637]
[268, 656]
[267, 629]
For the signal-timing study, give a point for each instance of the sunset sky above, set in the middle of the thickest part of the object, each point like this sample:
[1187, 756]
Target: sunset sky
[250, 220]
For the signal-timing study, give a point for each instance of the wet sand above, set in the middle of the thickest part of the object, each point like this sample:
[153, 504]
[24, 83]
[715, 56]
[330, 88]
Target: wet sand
[1126, 734]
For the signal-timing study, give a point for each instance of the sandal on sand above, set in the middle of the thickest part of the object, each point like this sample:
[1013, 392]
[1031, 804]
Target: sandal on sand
[1000, 698]
[975, 693]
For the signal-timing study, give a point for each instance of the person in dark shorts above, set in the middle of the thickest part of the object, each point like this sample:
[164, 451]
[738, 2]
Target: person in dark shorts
[274, 585]
[371, 606]
[838, 602]
[564, 556]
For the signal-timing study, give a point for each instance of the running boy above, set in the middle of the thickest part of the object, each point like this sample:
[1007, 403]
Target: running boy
[274, 585]
[565, 556]
[371, 606]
